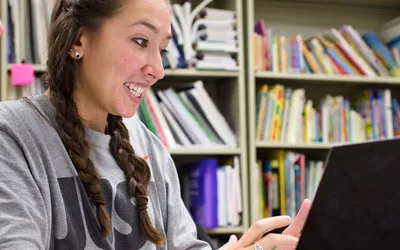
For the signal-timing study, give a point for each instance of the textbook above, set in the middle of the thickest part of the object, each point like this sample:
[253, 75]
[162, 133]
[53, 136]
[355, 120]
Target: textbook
[356, 200]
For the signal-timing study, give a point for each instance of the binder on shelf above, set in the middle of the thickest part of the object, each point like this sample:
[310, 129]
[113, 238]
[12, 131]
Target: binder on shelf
[202, 29]
[186, 117]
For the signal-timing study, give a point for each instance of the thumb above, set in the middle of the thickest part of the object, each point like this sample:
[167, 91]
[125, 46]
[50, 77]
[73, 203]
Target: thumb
[230, 244]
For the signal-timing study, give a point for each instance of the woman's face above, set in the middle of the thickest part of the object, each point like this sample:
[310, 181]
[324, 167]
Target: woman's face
[123, 59]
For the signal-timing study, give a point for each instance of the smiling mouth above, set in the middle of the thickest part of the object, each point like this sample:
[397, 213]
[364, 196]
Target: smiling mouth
[135, 90]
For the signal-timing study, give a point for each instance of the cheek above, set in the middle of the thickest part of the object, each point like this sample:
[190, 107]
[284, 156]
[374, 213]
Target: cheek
[129, 65]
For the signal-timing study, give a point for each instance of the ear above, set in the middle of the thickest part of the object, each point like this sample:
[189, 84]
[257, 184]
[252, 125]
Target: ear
[81, 44]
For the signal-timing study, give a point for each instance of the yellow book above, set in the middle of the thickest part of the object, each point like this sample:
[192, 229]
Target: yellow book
[283, 54]
[311, 60]
[339, 53]
[317, 51]
[280, 156]
[261, 199]
[279, 92]
[261, 113]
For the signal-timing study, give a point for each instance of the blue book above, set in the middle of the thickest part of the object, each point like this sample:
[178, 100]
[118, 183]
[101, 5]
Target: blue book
[203, 193]
[394, 43]
[339, 61]
[375, 133]
[381, 117]
[394, 113]
[382, 52]
[307, 68]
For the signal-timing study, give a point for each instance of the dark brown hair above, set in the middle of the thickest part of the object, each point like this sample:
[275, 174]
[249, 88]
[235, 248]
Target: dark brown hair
[67, 18]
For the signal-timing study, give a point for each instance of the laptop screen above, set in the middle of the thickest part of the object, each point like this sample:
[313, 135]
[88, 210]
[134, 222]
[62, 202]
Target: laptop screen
[357, 204]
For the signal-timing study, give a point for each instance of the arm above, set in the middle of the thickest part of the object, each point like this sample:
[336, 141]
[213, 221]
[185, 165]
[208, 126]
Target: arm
[181, 229]
[22, 217]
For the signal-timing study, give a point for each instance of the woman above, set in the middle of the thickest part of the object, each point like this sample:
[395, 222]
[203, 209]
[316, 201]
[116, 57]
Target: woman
[72, 176]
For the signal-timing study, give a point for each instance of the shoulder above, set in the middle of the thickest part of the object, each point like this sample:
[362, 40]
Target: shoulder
[22, 122]
[142, 139]
[147, 145]
[13, 114]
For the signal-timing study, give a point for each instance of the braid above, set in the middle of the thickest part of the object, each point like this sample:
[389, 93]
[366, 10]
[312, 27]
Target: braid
[60, 79]
[137, 173]
[72, 133]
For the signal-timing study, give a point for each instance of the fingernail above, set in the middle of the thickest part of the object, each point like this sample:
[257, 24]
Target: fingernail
[233, 237]
[288, 218]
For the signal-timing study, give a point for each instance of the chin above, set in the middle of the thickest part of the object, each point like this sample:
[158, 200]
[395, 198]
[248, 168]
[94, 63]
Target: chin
[127, 113]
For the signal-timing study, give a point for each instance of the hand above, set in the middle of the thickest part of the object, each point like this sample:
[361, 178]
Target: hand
[285, 241]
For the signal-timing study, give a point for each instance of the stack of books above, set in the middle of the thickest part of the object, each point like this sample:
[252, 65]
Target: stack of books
[339, 51]
[186, 117]
[285, 115]
[283, 181]
[204, 38]
[211, 190]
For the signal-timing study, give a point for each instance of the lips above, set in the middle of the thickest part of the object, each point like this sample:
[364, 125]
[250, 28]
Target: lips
[135, 89]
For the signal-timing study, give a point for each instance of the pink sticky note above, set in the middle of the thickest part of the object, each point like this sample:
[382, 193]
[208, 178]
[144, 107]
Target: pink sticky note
[22, 74]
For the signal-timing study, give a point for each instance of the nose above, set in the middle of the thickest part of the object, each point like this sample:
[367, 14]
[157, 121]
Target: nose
[154, 68]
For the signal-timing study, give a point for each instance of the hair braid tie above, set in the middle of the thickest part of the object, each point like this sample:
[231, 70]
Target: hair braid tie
[132, 186]
[98, 202]
[142, 201]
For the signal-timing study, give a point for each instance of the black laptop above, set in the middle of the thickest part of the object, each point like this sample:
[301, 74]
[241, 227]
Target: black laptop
[357, 204]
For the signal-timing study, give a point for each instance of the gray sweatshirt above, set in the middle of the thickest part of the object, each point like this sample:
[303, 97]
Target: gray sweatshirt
[43, 204]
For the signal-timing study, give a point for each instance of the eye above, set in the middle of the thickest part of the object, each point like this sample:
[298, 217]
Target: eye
[141, 42]
[163, 52]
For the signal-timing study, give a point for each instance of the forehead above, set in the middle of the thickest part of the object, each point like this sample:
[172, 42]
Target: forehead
[155, 11]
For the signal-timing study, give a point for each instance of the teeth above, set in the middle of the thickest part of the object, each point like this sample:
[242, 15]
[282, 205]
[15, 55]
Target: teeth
[135, 89]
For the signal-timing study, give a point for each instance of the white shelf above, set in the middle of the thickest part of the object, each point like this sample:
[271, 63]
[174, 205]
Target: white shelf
[168, 72]
[40, 68]
[365, 3]
[37, 67]
[226, 230]
[204, 151]
[328, 78]
[200, 73]
[279, 145]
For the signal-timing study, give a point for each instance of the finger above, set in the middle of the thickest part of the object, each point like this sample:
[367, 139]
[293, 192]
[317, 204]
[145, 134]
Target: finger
[230, 244]
[277, 241]
[298, 223]
[260, 227]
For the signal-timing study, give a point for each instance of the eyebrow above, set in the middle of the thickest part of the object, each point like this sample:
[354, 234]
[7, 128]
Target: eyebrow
[150, 26]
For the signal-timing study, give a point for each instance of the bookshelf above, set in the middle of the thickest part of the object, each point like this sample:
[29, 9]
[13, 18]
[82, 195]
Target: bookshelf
[326, 79]
[227, 89]
[280, 145]
[308, 18]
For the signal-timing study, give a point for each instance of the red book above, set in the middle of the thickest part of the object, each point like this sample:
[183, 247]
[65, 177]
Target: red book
[155, 120]
[362, 72]
[337, 66]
